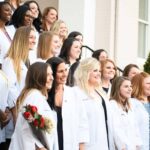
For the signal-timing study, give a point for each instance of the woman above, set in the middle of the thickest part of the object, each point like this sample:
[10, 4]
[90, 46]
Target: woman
[48, 46]
[125, 130]
[49, 16]
[131, 70]
[72, 127]
[38, 81]
[100, 54]
[6, 32]
[141, 94]
[36, 13]
[70, 52]
[16, 63]
[77, 35]
[87, 77]
[60, 28]
[108, 73]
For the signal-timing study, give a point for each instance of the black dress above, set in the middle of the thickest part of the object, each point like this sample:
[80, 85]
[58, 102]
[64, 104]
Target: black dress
[59, 127]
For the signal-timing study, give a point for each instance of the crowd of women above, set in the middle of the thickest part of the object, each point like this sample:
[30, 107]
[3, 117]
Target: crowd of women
[90, 106]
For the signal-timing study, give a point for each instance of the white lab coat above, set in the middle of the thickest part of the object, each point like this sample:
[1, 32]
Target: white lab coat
[125, 130]
[4, 90]
[5, 42]
[96, 121]
[23, 138]
[142, 118]
[75, 123]
[15, 86]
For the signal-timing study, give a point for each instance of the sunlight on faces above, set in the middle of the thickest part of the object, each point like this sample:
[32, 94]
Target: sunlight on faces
[94, 77]
[146, 86]
[49, 80]
[62, 74]
[75, 50]
[109, 71]
[32, 40]
[34, 9]
[133, 71]
[55, 45]
[126, 89]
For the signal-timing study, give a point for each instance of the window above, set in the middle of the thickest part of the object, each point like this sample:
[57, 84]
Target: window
[143, 26]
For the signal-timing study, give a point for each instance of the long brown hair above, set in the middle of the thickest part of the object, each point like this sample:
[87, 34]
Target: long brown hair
[19, 48]
[115, 91]
[35, 79]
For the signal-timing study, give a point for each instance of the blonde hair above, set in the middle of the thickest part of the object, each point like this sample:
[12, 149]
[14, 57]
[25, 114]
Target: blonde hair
[19, 48]
[83, 71]
[44, 49]
[56, 27]
[137, 85]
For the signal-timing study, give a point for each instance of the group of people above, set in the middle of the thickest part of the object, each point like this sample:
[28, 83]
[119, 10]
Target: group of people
[90, 106]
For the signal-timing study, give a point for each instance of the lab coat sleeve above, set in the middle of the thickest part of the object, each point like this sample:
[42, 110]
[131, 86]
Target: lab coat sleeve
[8, 69]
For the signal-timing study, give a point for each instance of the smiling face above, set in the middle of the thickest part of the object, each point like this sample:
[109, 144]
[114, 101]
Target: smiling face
[63, 31]
[32, 40]
[146, 86]
[61, 74]
[75, 50]
[94, 77]
[103, 56]
[125, 89]
[28, 18]
[6, 13]
[108, 71]
[34, 9]
[49, 80]
[51, 16]
[133, 71]
[55, 45]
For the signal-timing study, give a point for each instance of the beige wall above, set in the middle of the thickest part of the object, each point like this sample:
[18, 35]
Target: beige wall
[46, 3]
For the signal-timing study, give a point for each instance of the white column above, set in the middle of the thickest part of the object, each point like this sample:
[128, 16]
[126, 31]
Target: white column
[79, 15]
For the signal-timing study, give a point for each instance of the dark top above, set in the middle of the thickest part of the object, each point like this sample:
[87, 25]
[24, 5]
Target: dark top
[59, 127]
[105, 89]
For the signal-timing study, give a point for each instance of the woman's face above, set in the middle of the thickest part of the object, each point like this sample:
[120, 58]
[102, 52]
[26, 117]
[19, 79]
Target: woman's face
[146, 86]
[28, 19]
[94, 77]
[61, 74]
[34, 9]
[108, 71]
[125, 89]
[6, 13]
[55, 45]
[80, 39]
[49, 80]
[32, 40]
[103, 56]
[75, 50]
[51, 16]
[63, 31]
[133, 71]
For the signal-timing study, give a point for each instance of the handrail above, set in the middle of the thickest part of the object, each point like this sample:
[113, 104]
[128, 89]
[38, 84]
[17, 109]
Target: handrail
[85, 46]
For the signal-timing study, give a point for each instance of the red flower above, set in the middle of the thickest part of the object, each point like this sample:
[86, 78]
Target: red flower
[26, 114]
[36, 123]
[42, 122]
[33, 109]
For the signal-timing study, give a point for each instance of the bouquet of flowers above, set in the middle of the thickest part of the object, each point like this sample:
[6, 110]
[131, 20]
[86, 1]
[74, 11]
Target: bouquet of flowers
[38, 123]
